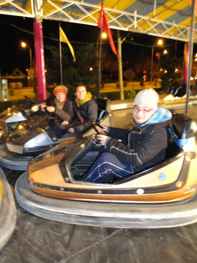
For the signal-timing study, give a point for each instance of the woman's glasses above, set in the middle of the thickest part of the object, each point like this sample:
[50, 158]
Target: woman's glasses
[143, 110]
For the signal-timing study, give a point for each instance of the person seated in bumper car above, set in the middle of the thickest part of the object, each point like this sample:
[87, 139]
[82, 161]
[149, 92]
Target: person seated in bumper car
[62, 107]
[85, 111]
[128, 151]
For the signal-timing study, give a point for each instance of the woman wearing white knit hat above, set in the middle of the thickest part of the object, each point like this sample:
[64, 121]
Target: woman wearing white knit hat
[147, 100]
[128, 151]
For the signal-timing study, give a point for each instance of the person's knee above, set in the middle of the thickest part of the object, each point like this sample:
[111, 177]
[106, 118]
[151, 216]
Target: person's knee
[61, 127]
[59, 130]
[68, 135]
[105, 157]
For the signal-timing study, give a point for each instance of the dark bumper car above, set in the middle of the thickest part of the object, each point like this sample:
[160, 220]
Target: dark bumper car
[12, 116]
[159, 197]
[7, 211]
[35, 136]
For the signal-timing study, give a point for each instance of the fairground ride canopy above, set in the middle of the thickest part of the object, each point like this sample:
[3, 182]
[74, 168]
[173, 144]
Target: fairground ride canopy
[162, 18]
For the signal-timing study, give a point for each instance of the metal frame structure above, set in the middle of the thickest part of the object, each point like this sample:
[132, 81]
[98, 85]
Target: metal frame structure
[173, 19]
[162, 18]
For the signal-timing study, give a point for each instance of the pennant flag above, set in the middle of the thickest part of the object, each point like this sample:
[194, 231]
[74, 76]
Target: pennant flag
[63, 38]
[186, 59]
[102, 22]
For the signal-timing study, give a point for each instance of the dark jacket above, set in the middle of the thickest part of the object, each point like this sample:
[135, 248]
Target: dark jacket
[142, 146]
[89, 113]
[66, 113]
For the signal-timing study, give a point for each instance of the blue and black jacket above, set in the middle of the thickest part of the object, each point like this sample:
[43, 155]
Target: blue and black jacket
[142, 146]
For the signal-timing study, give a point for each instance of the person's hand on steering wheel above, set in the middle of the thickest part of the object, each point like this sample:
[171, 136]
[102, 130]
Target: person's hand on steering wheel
[50, 109]
[104, 129]
[43, 107]
[65, 123]
[71, 130]
[102, 138]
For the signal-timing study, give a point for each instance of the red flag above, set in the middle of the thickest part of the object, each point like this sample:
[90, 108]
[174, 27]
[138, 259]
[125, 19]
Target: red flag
[186, 59]
[106, 29]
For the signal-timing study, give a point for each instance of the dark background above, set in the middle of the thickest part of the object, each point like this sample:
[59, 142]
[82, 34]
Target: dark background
[14, 29]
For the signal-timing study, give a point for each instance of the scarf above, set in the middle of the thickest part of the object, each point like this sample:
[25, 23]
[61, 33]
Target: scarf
[81, 102]
[60, 105]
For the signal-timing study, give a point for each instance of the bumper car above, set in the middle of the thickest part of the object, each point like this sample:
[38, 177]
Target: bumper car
[35, 136]
[12, 116]
[161, 196]
[7, 211]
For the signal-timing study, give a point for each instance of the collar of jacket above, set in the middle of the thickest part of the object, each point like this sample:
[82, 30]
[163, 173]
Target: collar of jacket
[160, 115]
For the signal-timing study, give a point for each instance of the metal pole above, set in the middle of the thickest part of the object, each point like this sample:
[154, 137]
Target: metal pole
[151, 73]
[190, 54]
[31, 75]
[120, 66]
[99, 68]
[60, 50]
[30, 56]
[61, 74]
[100, 49]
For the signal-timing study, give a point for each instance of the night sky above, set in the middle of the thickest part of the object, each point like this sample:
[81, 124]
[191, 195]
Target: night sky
[15, 29]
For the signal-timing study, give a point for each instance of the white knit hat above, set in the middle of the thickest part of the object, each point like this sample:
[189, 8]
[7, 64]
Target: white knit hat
[148, 97]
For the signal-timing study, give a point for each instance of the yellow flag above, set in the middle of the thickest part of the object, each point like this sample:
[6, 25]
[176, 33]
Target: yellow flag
[63, 38]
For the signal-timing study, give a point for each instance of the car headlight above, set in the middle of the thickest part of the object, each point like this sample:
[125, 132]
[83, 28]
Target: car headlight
[35, 108]
[14, 148]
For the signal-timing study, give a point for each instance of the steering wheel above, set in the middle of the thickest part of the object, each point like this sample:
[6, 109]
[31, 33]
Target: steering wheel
[28, 102]
[49, 115]
[94, 124]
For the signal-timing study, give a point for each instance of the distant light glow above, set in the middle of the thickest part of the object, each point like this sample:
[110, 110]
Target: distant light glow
[23, 44]
[104, 35]
[165, 52]
[160, 42]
